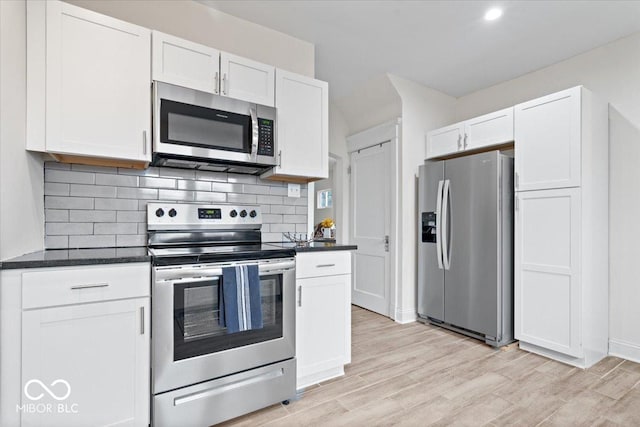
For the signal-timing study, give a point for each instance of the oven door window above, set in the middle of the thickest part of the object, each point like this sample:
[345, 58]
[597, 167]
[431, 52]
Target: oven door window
[196, 327]
[192, 125]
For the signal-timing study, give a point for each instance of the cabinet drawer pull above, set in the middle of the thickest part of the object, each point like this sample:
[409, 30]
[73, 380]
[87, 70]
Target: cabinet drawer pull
[325, 265]
[94, 285]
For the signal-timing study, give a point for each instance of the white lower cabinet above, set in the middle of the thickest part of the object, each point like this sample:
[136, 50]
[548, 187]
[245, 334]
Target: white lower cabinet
[83, 353]
[547, 270]
[323, 316]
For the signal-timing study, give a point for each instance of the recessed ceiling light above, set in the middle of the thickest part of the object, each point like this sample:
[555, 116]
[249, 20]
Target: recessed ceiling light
[493, 14]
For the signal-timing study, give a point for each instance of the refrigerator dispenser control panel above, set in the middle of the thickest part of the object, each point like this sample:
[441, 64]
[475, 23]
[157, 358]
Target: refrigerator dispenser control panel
[429, 227]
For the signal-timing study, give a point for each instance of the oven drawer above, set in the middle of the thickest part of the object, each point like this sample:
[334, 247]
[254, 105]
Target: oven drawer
[224, 398]
[315, 264]
[49, 287]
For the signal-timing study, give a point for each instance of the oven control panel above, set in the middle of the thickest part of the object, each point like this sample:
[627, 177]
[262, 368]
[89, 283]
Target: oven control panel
[167, 216]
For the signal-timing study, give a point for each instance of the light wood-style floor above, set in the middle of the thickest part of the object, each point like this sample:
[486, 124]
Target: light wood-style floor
[418, 375]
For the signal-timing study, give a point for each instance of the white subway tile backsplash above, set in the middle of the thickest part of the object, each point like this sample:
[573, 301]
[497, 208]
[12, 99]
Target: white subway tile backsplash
[139, 172]
[56, 215]
[242, 198]
[256, 189]
[96, 206]
[272, 219]
[59, 202]
[278, 191]
[71, 177]
[115, 228]
[68, 228]
[131, 216]
[178, 173]
[150, 182]
[241, 179]
[117, 204]
[270, 200]
[92, 216]
[282, 209]
[137, 193]
[56, 242]
[131, 240]
[187, 196]
[194, 185]
[294, 219]
[116, 180]
[227, 187]
[56, 189]
[91, 241]
[92, 190]
[203, 196]
[211, 176]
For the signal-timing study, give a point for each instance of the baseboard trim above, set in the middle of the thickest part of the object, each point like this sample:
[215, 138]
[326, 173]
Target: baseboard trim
[624, 350]
[405, 316]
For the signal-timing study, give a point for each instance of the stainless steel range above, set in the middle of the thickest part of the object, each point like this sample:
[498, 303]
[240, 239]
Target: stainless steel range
[204, 370]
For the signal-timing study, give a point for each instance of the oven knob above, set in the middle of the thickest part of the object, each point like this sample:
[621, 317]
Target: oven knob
[233, 213]
[243, 213]
[172, 213]
[253, 214]
[159, 212]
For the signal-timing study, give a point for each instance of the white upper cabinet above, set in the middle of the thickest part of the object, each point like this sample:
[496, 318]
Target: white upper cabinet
[185, 63]
[443, 141]
[247, 80]
[485, 131]
[188, 64]
[488, 130]
[303, 128]
[548, 139]
[96, 101]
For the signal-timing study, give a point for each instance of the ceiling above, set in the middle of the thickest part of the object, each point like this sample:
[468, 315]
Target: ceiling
[445, 45]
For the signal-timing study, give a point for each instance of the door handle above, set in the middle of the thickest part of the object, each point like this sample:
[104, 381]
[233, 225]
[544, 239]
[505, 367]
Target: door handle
[254, 133]
[459, 141]
[386, 243]
[90, 286]
[280, 158]
[144, 142]
[299, 296]
[216, 89]
[224, 84]
[141, 320]
[465, 141]
[446, 255]
[439, 225]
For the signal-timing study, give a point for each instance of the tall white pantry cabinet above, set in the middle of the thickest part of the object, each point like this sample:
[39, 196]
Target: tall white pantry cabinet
[561, 227]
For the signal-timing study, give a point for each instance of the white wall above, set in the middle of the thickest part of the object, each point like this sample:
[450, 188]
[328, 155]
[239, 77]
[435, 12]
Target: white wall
[21, 173]
[613, 73]
[422, 109]
[338, 132]
[373, 103]
[199, 23]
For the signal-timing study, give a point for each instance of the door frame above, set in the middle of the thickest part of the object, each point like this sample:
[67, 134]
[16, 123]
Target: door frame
[389, 132]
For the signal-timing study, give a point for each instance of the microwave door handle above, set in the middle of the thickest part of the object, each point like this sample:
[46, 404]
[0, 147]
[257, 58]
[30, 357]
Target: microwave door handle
[254, 133]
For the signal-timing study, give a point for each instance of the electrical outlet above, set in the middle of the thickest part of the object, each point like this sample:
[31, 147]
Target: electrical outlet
[293, 190]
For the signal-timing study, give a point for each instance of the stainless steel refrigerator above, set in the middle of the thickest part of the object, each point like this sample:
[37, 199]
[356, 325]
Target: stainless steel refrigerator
[465, 246]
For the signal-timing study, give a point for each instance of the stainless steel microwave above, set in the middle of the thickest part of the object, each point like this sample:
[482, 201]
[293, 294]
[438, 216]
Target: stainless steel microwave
[199, 130]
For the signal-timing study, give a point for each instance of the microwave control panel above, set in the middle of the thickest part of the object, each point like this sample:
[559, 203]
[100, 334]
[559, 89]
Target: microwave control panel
[265, 138]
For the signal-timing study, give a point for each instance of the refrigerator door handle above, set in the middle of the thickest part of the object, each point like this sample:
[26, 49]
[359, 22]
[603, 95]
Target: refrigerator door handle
[446, 255]
[439, 225]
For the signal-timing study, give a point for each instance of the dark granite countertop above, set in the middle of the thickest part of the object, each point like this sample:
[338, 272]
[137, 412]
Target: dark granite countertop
[314, 246]
[72, 257]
